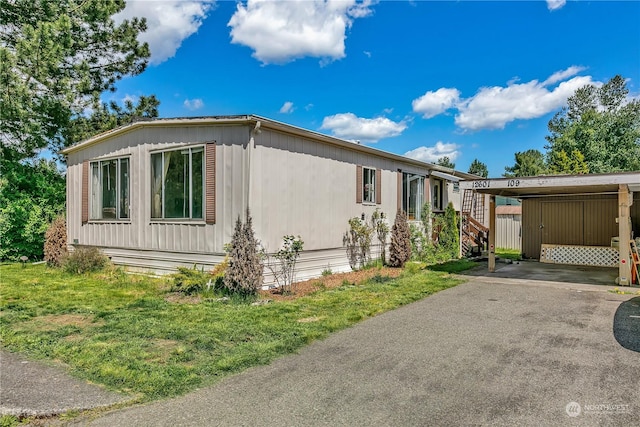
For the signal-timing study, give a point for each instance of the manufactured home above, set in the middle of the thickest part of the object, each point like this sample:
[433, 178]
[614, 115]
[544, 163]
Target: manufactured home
[161, 193]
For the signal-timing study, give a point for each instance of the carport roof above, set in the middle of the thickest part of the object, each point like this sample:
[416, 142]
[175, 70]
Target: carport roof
[554, 185]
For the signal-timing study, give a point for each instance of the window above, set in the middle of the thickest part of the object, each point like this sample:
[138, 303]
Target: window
[177, 184]
[110, 189]
[412, 195]
[369, 185]
[437, 194]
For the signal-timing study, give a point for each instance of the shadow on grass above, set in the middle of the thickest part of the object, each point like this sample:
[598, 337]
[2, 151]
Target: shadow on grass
[455, 266]
[626, 324]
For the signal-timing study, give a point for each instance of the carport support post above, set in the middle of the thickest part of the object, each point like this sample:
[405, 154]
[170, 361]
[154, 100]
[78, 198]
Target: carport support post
[624, 230]
[492, 234]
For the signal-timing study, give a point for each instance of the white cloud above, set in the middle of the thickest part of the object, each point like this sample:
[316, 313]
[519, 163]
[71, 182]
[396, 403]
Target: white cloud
[494, 107]
[433, 103]
[287, 107]
[349, 126]
[432, 154]
[193, 104]
[555, 4]
[558, 76]
[169, 22]
[281, 31]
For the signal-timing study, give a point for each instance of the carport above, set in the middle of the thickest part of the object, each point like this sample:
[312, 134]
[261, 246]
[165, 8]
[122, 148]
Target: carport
[571, 219]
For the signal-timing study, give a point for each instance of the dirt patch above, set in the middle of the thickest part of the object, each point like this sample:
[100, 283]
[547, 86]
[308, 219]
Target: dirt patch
[54, 321]
[307, 287]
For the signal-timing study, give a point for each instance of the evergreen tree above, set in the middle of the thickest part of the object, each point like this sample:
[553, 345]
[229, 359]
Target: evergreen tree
[244, 273]
[478, 168]
[400, 248]
[56, 58]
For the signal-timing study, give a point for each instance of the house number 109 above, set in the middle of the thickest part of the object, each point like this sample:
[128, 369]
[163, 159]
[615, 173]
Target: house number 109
[513, 183]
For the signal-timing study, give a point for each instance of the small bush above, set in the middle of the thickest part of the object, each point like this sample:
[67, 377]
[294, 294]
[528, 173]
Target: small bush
[190, 280]
[85, 260]
[327, 271]
[218, 273]
[358, 243]
[55, 242]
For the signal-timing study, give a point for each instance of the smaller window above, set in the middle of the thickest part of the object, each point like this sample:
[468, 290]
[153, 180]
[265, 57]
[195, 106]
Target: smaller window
[369, 185]
[110, 189]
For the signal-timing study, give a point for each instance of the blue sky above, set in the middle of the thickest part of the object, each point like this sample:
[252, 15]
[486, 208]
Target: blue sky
[464, 79]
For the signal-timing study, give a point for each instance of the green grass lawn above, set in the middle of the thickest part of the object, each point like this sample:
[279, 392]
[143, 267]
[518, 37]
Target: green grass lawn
[504, 253]
[119, 330]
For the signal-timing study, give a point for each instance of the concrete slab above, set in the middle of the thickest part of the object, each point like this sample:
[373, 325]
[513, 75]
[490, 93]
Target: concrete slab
[537, 271]
[34, 389]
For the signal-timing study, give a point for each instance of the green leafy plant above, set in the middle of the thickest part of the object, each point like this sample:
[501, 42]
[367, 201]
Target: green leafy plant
[284, 269]
[380, 226]
[327, 271]
[84, 260]
[190, 280]
[357, 240]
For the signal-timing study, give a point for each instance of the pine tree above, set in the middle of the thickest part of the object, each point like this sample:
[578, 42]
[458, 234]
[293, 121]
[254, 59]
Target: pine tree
[400, 248]
[244, 273]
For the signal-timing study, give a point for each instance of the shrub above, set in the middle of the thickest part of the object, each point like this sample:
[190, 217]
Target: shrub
[190, 280]
[400, 249]
[218, 273]
[449, 237]
[284, 270]
[85, 259]
[55, 242]
[244, 274]
[358, 243]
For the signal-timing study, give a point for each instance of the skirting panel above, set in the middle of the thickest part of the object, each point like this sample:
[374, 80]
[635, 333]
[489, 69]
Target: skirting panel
[597, 256]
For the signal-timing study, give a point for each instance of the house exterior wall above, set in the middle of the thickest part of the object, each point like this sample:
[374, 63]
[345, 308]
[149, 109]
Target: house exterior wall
[588, 220]
[302, 187]
[292, 185]
[140, 234]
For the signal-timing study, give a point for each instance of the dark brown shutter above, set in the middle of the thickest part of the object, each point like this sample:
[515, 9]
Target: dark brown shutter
[399, 189]
[85, 191]
[358, 184]
[378, 186]
[427, 190]
[210, 183]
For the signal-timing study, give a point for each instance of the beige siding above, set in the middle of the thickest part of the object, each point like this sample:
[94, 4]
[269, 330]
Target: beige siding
[301, 187]
[577, 220]
[140, 232]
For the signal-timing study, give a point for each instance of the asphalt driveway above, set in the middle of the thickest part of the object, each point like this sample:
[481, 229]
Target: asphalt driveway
[483, 353]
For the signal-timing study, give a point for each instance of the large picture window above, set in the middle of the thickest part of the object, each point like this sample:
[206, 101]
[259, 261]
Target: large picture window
[412, 195]
[369, 185]
[177, 184]
[110, 189]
